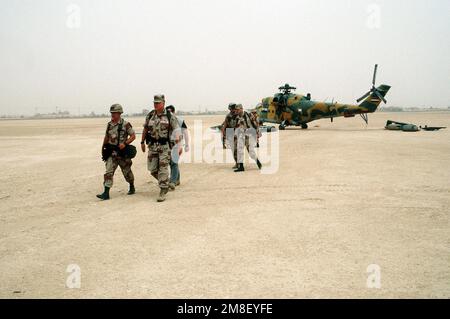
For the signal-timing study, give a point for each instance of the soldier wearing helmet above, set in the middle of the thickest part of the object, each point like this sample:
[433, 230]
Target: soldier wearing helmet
[228, 127]
[119, 135]
[246, 133]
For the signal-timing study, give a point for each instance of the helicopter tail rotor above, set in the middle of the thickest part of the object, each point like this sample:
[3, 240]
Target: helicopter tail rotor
[373, 91]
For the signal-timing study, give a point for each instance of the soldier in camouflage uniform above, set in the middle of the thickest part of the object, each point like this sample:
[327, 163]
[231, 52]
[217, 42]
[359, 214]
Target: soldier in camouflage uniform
[121, 139]
[247, 131]
[230, 139]
[159, 125]
[255, 123]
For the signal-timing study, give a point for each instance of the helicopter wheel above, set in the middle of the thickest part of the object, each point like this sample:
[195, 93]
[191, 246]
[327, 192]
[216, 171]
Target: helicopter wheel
[304, 126]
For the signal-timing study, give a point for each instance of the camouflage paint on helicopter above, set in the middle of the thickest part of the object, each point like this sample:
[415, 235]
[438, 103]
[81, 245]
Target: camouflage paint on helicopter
[286, 108]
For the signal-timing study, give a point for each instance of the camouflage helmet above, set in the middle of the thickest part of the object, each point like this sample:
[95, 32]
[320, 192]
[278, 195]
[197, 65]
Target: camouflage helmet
[116, 108]
[231, 106]
[159, 98]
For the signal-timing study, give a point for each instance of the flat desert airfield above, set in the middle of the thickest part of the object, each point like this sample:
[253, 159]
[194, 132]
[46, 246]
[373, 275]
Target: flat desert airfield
[345, 196]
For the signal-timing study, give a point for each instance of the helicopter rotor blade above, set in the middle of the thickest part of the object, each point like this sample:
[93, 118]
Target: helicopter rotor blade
[375, 74]
[363, 97]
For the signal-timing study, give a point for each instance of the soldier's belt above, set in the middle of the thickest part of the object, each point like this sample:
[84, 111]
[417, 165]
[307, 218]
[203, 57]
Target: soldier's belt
[160, 141]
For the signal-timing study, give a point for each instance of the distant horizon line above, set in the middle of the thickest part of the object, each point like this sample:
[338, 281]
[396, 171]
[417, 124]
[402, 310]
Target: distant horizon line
[68, 115]
[198, 111]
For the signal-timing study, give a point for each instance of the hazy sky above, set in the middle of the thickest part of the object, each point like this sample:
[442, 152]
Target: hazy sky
[208, 53]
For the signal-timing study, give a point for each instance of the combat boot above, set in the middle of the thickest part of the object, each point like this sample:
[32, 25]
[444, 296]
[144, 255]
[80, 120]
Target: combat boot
[162, 195]
[105, 195]
[172, 186]
[132, 190]
[258, 163]
[177, 183]
[240, 168]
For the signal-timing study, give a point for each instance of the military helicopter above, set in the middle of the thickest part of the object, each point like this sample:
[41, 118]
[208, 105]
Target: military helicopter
[288, 109]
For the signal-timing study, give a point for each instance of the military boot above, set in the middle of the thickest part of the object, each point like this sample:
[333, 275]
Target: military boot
[258, 163]
[162, 195]
[132, 190]
[105, 195]
[172, 186]
[240, 168]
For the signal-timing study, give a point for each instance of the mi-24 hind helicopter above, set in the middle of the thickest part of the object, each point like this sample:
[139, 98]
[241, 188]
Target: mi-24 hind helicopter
[288, 109]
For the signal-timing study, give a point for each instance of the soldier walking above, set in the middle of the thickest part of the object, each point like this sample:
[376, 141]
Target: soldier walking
[158, 127]
[246, 133]
[228, 136]
[254, 119]
[119, 135]
[177, 150]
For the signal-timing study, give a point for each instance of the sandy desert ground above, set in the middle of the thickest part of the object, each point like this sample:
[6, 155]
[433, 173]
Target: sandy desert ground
[345, 196]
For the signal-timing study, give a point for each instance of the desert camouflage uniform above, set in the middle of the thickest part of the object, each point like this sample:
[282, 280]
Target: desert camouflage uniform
[159, 153]
[246, 135]
[114, 161]
[255, 120]
[228, 139]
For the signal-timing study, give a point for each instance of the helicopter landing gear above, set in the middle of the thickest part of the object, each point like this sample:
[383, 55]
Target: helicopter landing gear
[304, 126]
